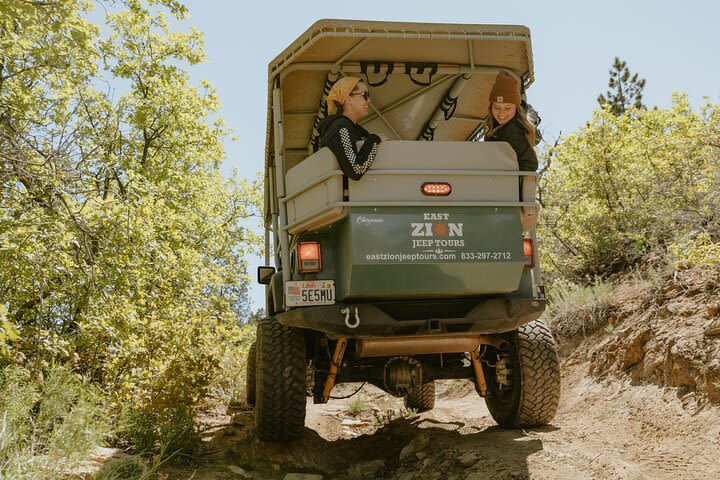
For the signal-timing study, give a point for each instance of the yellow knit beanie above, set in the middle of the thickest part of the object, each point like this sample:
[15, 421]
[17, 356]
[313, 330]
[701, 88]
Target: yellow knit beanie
[340, 91]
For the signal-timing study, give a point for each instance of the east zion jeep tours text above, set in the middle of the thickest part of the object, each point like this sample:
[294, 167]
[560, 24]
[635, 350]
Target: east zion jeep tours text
[435, 238]
[437, 229]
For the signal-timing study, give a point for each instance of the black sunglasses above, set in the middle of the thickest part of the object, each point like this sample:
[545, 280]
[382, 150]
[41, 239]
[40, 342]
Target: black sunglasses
[365, 94]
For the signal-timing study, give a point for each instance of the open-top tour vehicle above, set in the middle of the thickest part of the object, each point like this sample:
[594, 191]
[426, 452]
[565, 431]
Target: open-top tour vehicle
[424, 269]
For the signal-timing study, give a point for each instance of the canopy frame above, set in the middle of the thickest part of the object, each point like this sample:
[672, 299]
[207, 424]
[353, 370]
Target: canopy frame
[294, 59]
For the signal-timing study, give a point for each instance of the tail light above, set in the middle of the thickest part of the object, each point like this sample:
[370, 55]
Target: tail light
[529, 252]
[309, 260]
[436, 189]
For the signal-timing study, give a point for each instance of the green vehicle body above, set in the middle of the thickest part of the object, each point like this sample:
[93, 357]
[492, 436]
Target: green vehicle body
[409, 287]
[455, 260]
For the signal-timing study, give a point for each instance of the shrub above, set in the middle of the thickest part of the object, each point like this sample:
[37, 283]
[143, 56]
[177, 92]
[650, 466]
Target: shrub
[228, 385]
[357, 405]
[575, 309]
[624, 186]
[169, 430]
[699, 249]
[48, 425]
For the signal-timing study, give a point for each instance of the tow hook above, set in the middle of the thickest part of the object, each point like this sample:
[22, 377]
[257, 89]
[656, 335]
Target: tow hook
[346, 312]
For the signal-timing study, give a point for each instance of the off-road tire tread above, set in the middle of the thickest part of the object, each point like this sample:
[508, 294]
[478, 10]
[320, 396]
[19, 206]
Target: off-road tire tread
[539, 392]
[281, 382]
[421, 399]
[540, 372]
[250, 375]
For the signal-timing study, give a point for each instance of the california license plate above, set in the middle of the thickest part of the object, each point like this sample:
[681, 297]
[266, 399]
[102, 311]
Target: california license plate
[310, 292]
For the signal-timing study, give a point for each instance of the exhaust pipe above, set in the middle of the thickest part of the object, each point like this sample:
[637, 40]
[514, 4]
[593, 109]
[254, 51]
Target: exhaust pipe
[424, 345]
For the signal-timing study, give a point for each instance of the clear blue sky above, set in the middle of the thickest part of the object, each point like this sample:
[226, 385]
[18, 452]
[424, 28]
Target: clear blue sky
[673, 45]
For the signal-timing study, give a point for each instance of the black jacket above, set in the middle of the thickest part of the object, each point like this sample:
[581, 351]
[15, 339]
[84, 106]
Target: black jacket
[514, 133]
[341, 135]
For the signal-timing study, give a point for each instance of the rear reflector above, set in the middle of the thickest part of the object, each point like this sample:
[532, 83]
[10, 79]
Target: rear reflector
[529, 252]
[309, 260]
[436, 189]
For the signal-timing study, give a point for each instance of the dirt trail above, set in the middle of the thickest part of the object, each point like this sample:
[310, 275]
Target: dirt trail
[641, 384]
[604, 429]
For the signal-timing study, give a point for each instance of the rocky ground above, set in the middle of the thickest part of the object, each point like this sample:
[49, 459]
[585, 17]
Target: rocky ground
[640, 401]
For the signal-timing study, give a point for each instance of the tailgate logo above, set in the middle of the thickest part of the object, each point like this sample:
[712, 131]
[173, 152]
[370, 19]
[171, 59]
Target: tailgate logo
[438, 229]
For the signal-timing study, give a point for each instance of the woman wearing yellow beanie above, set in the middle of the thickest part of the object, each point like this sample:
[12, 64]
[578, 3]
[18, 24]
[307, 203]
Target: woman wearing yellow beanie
[507, 121]
[355, 149]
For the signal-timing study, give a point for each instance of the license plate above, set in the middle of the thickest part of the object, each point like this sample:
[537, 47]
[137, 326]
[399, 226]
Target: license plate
[310, 292]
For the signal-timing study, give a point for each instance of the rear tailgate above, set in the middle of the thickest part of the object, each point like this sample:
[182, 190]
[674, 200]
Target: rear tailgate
[400, 243]
[432, 253]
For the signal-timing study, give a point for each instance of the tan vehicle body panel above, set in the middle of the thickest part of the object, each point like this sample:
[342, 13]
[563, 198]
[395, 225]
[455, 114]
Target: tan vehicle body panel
[399, 170]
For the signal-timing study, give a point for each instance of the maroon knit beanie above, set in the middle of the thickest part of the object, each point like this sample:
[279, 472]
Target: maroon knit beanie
[505, 90]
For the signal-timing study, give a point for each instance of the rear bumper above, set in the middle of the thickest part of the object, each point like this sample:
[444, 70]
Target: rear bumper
[494, 315]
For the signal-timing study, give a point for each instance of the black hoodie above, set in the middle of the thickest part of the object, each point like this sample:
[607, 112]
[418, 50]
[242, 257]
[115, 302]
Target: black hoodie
[513, 133]
[341, 135]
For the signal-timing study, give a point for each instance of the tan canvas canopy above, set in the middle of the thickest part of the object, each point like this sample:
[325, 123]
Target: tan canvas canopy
[427, 81]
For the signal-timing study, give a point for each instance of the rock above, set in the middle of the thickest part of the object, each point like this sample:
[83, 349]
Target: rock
[427, 461]
[468, 459]
[353, 423]
[713, 328]
[303, 476]
[451, 453]
[240, 418]
[421, 455]
[417, 444]
[99, 457]
[364, 469]
[239, 471]
[276, 467]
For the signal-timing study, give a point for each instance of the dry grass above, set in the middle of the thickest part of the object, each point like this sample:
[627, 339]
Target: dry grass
[578, 310]
[357, 405]
[48, 423]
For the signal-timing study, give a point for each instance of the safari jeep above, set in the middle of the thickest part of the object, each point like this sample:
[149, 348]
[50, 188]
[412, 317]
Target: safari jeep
[426, 268]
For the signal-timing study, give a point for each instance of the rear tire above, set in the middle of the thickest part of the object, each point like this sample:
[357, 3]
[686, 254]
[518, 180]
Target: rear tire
[281, 382]
[421, 399]
[524, 384]
[250, 375]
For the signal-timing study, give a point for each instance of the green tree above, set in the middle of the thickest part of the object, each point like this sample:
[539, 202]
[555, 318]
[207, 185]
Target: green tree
[121, 244]
[625, 186]
[625, 89]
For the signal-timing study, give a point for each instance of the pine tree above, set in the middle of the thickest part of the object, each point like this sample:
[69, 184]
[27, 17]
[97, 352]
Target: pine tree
[625, 89]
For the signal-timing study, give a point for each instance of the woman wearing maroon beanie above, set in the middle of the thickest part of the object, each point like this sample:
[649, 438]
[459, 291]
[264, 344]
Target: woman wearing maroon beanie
[508, 121]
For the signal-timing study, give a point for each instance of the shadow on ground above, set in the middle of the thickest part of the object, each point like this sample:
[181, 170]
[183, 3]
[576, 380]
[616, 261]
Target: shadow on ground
[448, 450]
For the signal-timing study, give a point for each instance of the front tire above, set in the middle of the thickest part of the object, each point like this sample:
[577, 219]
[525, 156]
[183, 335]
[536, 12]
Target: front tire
[524, 382]
[281, 382]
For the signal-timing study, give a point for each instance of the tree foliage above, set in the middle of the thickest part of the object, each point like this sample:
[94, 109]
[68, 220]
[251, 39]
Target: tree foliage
[624, 186]
[121, 245]
[625, 89]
